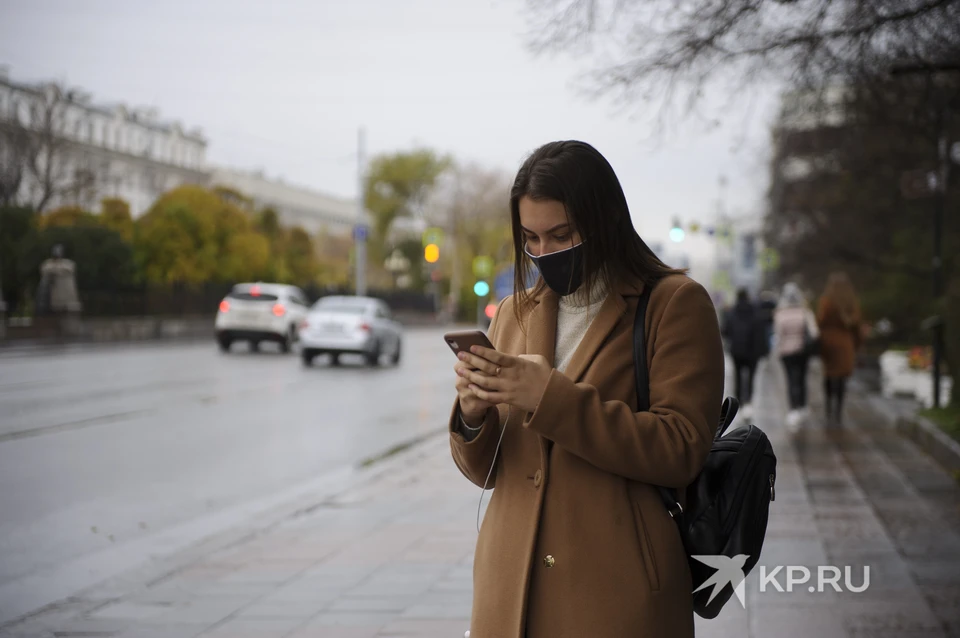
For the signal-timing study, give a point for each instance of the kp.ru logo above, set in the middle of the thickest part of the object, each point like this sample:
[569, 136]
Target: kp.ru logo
[730, 572]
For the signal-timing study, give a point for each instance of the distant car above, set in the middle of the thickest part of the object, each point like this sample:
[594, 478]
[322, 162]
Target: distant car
[350, 325]
[257, 312]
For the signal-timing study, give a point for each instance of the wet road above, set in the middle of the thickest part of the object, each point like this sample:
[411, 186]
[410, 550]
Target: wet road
[102, 447]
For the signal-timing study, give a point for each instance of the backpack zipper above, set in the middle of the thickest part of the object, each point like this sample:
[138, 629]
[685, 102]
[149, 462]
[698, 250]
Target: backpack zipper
[773, 491]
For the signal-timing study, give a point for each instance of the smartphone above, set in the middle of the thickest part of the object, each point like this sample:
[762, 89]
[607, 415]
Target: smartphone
[464, 340]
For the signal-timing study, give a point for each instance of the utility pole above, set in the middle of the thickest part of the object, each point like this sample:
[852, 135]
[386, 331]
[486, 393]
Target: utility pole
[941, 203]
[360, 230]
[456, 279]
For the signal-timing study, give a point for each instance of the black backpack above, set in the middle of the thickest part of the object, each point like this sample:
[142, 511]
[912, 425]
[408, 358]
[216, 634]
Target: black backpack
[728, 503]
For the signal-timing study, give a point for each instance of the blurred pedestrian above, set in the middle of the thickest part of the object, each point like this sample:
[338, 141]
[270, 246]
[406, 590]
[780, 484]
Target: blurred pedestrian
[767, 306]
[840, 333]
[795, 333]
[576, 539]
[743, 327]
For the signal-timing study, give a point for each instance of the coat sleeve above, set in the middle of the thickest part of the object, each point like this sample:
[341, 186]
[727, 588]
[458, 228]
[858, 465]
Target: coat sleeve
[668, 444]
[474, 457]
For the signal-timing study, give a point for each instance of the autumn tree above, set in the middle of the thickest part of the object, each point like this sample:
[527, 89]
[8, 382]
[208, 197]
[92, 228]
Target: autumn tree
[191, 235]
[397, 185]
[115, 215]
[473, 204]
[68, 216]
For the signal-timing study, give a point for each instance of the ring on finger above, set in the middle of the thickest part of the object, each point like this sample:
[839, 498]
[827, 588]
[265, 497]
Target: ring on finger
[497, 373]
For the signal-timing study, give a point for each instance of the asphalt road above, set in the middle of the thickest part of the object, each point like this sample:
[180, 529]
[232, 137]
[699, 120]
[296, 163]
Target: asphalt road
[102, 447]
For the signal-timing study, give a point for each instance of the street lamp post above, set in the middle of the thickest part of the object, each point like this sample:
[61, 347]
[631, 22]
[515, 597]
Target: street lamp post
[940, 194]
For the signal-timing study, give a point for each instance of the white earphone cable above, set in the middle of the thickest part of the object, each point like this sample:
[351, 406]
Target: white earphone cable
[493, 464]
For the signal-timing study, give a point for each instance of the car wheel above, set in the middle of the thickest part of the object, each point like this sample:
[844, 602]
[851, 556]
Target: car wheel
[395, 359]
[285, 343]
[373, 358]
[224, 343]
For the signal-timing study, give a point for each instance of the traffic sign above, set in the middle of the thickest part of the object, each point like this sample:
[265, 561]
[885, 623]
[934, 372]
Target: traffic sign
[482, 267]
[361, 232]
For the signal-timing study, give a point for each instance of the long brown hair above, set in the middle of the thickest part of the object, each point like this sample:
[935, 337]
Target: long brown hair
[579, 177]
[840, 292]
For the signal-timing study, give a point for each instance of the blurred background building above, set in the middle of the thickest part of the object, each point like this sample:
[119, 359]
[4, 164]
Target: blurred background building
[295, 205]
[99, 150]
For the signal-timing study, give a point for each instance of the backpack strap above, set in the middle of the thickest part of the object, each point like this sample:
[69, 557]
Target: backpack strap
[643, 387]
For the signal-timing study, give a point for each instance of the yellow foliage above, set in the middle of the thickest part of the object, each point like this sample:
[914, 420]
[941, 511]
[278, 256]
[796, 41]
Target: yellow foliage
[246, 258]
[115, 215]
[67, 216]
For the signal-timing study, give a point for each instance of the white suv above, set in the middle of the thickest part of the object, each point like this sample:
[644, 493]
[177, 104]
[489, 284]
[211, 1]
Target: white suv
[261, 312]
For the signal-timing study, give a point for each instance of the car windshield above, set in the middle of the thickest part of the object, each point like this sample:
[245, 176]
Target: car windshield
[249, 296]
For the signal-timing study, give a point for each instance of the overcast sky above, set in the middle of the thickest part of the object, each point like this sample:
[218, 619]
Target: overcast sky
[284, 86]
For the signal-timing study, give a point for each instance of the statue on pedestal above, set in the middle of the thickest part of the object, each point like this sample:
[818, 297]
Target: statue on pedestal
[57, 293]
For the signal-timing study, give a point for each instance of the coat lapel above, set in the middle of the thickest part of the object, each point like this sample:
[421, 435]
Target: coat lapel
[608, 317]
[542, 326]
[610, 313]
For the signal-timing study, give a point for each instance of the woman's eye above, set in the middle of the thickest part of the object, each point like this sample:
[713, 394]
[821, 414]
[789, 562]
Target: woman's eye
[532, 240]
[561, 237]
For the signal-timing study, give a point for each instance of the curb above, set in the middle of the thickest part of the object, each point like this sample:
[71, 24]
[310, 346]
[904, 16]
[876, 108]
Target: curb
[922, 432]
[932, 440]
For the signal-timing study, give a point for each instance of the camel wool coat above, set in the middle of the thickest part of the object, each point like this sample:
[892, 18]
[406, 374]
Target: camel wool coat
[576, 542]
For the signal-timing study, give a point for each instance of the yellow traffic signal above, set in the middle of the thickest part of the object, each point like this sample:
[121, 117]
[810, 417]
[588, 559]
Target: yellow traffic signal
[431, 253]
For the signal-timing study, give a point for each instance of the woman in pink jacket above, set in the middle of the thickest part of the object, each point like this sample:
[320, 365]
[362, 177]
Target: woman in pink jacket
[794, 328]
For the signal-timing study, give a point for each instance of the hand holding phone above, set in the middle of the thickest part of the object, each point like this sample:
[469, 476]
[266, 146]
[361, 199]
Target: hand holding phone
[464, 340]
[472, 408]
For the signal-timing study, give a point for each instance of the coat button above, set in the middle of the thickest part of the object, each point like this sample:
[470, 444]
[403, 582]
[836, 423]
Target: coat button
[548, 561]
[537, 478]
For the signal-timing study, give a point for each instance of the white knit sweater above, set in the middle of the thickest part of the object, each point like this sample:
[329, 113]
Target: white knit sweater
[574, 317]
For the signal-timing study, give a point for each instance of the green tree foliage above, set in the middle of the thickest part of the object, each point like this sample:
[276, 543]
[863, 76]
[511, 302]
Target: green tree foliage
[398, 185]
[18, 229]
[300, 255]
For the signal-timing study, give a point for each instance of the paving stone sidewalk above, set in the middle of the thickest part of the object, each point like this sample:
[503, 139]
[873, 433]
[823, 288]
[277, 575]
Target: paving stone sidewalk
[392, 555]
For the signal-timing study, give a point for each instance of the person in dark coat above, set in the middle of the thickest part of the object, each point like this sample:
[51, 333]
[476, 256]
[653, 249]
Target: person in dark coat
[744, 330]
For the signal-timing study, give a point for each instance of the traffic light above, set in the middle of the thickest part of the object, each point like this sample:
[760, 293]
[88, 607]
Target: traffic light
[676, 233]
[481, 288]
[431, 253]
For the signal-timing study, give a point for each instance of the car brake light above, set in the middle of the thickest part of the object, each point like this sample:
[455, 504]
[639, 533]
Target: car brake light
[365, 327]
[279, 310]
[224, 306]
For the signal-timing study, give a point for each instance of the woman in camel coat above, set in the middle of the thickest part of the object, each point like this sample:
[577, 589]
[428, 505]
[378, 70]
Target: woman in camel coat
[838, 317]
[576, 541]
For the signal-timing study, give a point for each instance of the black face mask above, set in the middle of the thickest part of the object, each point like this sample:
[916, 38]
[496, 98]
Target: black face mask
[561, 270]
